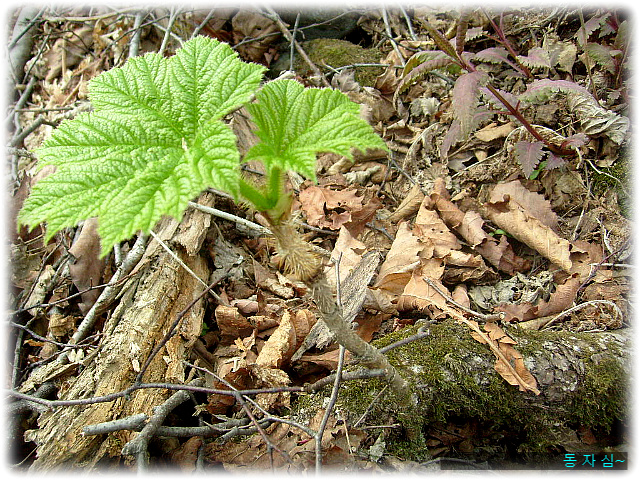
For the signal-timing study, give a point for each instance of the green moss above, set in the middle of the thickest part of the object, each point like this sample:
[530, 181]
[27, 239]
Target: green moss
[330, 52]
[622, 173]
[441, 370]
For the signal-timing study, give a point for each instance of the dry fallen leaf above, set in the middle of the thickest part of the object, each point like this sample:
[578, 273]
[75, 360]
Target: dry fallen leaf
[509, 362]
[469, 225]
[534, 203]
[286, 338]
[402, 259]
[86, 270]
[493, 131]
[516, 219]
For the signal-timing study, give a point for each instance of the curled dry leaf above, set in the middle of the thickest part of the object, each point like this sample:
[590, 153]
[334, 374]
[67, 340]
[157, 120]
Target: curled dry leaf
[409, 205]
[231, 322]
[469, 225]
[535, 204]
[429, 227]
[348, 250]
[248, 24]
[596, 120]
[286, 339]
[402, 259]
[327, 208]
[419, 295]
[519, 221]
[494, 131]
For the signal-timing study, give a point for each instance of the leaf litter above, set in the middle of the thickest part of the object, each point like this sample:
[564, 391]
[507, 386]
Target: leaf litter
[485, 236]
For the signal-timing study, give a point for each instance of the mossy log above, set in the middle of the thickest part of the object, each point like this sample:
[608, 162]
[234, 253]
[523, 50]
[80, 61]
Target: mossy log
[582, 378]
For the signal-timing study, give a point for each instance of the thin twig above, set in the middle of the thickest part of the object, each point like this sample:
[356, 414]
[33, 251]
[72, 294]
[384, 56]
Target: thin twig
[329, 408]
[138, 447]
[204, 22]
[580, 307]
[134, 46]
[173, 16]
[394, 44]
[412, 34]
[293, 39]
[110, 397]
[232, 218]
[276, 18]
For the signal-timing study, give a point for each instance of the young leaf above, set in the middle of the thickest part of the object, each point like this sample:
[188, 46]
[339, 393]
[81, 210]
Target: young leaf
[529, 155]
[465, 99]
[154, 140]
[295, 123]
[602, 55]
[441, 41]
[420, 71]
[540, 91]
[537, 57]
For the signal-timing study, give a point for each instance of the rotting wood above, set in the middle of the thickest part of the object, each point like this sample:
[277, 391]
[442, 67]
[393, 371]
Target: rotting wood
[148, 305]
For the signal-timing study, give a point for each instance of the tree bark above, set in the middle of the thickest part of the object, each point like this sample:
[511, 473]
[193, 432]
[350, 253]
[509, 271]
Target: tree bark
[149, 303]
[582, 378]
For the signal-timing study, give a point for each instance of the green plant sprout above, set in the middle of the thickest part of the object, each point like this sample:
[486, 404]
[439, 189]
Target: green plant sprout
[156, 138]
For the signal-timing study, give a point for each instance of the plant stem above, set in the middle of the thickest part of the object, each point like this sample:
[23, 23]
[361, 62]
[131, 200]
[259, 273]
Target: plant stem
[253, 195]
[525, 123]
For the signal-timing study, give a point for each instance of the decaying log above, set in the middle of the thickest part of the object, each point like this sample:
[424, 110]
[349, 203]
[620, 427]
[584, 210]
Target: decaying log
[582, 378]
[148, 305]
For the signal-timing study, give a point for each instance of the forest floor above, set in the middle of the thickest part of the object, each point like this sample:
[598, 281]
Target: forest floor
[506, 191]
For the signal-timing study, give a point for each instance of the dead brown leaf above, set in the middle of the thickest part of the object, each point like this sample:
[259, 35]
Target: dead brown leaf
[286, 338]
[327, 208]
[402, 259]
[535, 204]
[469, 225]
[509, 362]
[520, 222]
[494, 131]
[87, 269]
[231, 322]
[249, 24]
[419, 295]
[409, 205]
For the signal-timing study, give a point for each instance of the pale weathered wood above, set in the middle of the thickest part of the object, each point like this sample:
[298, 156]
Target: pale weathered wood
[150, 302]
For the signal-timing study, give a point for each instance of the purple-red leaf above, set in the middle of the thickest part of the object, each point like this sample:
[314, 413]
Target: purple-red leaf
[465, 99]
[538, 57]
[528, 155]
[576, 140]
[554, 161]
[509, 97]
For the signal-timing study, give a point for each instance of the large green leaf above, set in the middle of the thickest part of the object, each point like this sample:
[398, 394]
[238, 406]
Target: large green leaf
[154, 140]
[295, 123]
